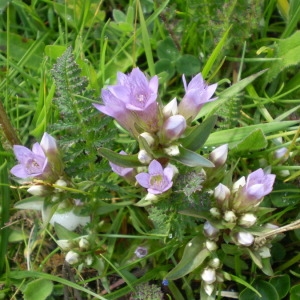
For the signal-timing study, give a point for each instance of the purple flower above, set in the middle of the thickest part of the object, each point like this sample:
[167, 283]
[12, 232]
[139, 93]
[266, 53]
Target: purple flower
[249, 195]
[127, 173]
[173, 128]
[219, 155]
[197, 93]
[35, 163]
[157, 180]
[132, 100]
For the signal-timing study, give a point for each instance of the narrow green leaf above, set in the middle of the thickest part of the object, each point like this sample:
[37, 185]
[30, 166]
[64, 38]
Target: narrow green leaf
[126, 161]
[235, 135]
[192, 159]
[193, 256]
[211, 107]
[199, 134]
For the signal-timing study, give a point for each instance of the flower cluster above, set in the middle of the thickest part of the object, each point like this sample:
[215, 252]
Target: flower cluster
[133, 103]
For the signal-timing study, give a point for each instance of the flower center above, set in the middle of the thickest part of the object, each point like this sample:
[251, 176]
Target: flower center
[34, 166]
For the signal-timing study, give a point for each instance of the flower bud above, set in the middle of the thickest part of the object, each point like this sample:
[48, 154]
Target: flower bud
[240, 183]
[209, 288]
[209, 230]
[264, 252]
[172, 150]
[219, 155]
[209, 275]
[173, 128]
[222, 195]
[89, 260]
[149, 138]
[40, 190]
[84, 243]
[215, 212]
[247, 220]
[62, 183]
[65, 245]
[215, 263]
[229, 216]
[151, 197]
[245, 238]
[170, 109]
[211, 246]
[281, 154]
[144, 157]
[72, 257]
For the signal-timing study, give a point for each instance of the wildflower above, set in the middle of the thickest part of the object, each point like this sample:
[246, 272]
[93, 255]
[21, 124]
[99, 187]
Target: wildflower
[173, 128]
[281, 154]
[229, 216]
[197, 93]
[211, 245]
[157, 180]
[172, 150]
[35, 163]
[247, 220]
[219, 155]
[245, 239]
[222, 195]
[215, 263]
[141, 252]
[132, 100]
[84, 243]
[251, 193]
[170, 109]
[144, 157]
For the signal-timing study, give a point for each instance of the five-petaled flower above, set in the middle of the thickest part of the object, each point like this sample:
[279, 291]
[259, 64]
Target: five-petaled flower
[158, 179]
[42, 162]
[197, 93]
[132, 102]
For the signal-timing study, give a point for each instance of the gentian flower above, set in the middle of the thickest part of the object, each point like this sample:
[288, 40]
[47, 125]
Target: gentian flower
[35, 163]
[173, 128]
[219, 155]
[251, 193]
[132, 100]
[157, 180]
[197, 93]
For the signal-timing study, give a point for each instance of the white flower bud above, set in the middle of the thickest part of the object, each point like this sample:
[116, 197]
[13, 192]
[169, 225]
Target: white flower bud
[211, 245]
[237, 184]
[209, 230]
[245, 238]
[72, 257]
[215, 212]
[219, 155]
[149, 138]
[247, 220]
[229, 216]
[209, 288]
[209, 275]
[62, 183]
[172, 150]
[151, 197]
[84, 243]
[282, 154]
[215, 263]
[144, 157]
[39, 190]
[89, 260]
[170, 109]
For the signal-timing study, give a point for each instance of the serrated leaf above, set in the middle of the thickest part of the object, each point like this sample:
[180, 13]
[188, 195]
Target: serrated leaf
[38, 289]
[199, 134]
[193, 256]
[192, 159]
[126, 161]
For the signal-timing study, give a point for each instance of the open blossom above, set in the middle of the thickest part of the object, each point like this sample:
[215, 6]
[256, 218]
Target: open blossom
[132, 100]
[42, 162]
[197, 93]
[251, 193]
[158, 179]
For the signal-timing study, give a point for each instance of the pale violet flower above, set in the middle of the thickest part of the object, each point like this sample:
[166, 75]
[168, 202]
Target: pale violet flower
[132, 101]
[197, 93]
[209, 230]
[158, 179]
[257, 185]
[245, 239]
[222, 196]
[170, 109]
[35, 163]
[141, 252]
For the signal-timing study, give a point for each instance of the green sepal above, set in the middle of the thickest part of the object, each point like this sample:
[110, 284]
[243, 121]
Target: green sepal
[193, 256]
[192, 159]
[126, 161]
[199, 134]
